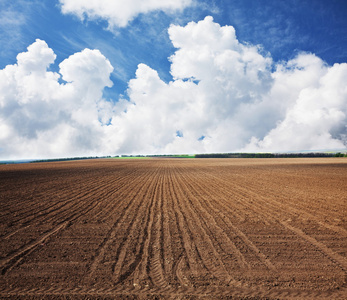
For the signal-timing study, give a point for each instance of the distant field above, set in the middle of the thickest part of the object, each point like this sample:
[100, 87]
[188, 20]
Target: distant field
[131, 157]
[159, 156]
[174, 229]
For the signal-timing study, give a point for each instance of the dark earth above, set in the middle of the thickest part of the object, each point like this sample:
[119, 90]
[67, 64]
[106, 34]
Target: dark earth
[174, 229]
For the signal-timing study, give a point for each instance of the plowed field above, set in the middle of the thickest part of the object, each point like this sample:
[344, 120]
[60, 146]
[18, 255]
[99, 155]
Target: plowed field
[174, 229]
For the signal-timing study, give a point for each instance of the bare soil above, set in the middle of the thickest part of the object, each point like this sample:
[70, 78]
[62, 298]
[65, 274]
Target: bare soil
[174, 229]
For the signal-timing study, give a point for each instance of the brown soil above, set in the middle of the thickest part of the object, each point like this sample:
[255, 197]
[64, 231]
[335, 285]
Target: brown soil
[174, 229]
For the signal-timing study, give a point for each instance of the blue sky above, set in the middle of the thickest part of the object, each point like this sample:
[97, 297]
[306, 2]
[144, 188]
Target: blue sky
[136, 41]
[283, 28]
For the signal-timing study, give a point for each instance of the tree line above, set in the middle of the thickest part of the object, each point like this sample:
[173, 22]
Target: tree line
[269, 155]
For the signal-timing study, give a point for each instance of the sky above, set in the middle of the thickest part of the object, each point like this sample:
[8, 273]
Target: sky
[113, 77]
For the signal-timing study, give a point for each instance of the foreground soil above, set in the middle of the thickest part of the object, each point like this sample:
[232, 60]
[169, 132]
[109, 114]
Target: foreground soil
[174, 229]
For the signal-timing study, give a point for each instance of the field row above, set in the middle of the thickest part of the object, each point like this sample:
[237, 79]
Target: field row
[170, 227]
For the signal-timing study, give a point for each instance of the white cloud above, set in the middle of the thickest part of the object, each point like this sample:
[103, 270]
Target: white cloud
[225, 96]
[318, 117]
[118, 13]
[41, 117]
[214, 78]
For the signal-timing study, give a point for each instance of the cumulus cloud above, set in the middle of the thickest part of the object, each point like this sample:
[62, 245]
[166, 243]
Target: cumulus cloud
[225, 96]
[228, 96]
[41, 117]
[118, 13]
[317, 119]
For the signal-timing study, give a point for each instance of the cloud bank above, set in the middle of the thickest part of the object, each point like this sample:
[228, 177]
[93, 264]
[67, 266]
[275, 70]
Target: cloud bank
[115, 12]
[225, 96]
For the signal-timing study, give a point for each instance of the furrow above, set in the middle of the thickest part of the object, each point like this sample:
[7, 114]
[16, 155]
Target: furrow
[220, 237]
[142, 275]
[178, 237]
[130, 250]
[9, 262]
[221, 218]
[157, 258]
[35, 214]
[112, 233]
[209, 252]
[277, 206]
[195, 264]
[334, 257]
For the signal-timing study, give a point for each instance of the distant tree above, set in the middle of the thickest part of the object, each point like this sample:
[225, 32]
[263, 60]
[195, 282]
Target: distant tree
[339, 154]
